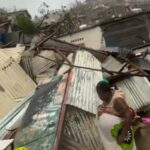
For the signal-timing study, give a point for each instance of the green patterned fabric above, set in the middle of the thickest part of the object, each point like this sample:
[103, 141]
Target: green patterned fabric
[21, 148]
[128, 143]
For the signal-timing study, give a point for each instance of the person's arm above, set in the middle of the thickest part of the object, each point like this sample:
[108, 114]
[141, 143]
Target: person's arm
[122, 108]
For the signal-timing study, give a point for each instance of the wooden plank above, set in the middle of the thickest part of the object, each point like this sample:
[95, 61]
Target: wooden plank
[4, 144]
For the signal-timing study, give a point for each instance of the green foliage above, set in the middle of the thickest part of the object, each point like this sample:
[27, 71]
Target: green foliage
[26, 25]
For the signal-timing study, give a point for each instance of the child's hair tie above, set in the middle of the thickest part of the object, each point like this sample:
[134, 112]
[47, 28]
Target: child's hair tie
[105, 81]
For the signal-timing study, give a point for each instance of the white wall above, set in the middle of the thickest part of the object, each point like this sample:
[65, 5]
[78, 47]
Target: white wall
[91, 38]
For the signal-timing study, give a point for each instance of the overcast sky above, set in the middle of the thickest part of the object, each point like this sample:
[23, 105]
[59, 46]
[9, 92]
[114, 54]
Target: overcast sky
[33, 5]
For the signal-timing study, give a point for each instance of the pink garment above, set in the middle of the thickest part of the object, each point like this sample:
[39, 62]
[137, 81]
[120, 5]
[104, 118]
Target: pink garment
[146, 121]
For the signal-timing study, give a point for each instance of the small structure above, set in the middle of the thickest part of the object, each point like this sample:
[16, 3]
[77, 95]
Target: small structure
[51, 18]
[12, 15]
[127, 32]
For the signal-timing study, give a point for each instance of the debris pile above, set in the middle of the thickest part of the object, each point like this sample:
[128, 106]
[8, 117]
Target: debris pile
[54, 81]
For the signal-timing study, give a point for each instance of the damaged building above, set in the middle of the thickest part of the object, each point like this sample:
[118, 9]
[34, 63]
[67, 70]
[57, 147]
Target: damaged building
[50, 85]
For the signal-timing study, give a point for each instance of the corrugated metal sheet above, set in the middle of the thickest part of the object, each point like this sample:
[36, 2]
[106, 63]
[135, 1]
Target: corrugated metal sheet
[15, 52]
[15, 84]
[111, 64]
[82, 93]
[39, 125]
[43, 68]
[143, 63]
[40, 64]
[136, 89]
[122, 52]
[80, 131]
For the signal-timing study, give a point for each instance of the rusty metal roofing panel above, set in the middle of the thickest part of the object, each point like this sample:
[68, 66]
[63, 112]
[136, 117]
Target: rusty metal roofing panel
[39, 125]
[82, 93]
[80, 129]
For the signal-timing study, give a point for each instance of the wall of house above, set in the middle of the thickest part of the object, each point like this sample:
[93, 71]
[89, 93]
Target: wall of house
[91, 38]
[128, 33]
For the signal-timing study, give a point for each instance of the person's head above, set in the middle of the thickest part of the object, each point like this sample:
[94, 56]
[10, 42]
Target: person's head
[118, 106]
[104, 91]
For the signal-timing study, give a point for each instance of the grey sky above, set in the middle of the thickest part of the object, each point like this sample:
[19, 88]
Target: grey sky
[32, 5]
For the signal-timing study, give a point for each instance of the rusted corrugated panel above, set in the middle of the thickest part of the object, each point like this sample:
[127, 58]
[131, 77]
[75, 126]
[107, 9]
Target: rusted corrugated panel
[15, 52]
[137, 91]
[82, 92]
[81, 130]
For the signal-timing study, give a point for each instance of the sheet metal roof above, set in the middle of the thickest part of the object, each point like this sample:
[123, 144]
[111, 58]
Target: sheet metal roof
[39, 125]
[111, 64]
[15, 84]
[80, 129]
[82, 93]
[143, 63]
[122, 52]
[136, 89]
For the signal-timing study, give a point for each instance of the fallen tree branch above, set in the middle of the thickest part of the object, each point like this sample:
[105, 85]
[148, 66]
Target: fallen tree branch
[129, 73]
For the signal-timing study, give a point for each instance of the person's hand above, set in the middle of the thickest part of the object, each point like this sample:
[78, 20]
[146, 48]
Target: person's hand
[119, 94]
[120, 139]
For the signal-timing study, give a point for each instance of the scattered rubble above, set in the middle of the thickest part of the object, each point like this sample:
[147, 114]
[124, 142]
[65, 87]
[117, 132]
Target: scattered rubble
[59, 76]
